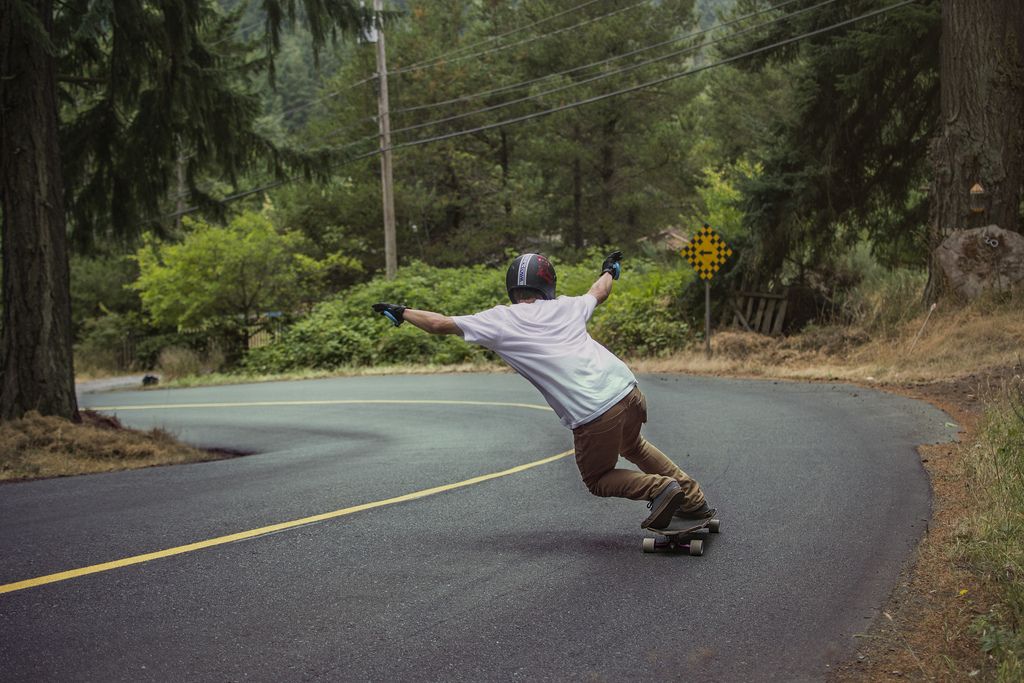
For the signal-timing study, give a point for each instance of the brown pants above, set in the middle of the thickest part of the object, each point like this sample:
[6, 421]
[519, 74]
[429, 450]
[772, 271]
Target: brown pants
[617, 432]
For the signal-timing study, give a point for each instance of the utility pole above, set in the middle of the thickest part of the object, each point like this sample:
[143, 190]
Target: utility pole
[384, 121]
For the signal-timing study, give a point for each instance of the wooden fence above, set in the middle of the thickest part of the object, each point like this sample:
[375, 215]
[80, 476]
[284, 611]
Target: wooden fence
[762, 312]
[261, 337]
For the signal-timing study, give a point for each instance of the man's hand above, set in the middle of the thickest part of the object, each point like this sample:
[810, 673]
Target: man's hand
[393, 312]
[611, 265]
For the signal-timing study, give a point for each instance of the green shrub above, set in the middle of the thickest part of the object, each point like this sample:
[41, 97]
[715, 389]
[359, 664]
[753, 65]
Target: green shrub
[639, 318]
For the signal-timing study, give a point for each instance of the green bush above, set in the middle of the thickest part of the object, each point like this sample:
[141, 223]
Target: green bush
[639, 318]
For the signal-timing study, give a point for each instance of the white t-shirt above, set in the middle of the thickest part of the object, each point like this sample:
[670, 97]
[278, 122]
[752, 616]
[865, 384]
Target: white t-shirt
[547, 343]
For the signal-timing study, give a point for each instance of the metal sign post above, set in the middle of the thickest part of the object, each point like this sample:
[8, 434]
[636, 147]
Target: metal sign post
[706, 252]
[707, 318]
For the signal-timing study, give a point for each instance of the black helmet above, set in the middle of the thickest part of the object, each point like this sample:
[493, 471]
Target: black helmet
[531, 272]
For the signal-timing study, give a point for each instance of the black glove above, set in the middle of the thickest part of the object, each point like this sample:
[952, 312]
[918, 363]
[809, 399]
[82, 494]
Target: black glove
[611, 265]
[392, 312]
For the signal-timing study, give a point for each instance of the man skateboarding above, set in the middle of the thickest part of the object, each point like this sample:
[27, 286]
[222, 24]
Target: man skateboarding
[592, 391]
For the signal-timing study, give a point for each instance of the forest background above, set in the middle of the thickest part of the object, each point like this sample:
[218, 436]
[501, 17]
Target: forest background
[735, 145]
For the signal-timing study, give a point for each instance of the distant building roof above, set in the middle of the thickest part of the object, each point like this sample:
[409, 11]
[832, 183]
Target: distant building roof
[669, 239]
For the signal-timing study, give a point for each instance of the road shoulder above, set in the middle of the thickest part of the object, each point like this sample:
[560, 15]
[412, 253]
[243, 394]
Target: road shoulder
[923, 631]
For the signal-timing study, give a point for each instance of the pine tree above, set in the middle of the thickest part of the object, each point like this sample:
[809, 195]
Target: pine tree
[617, 166]
[36, 337]
[849, 154]
[144, 80]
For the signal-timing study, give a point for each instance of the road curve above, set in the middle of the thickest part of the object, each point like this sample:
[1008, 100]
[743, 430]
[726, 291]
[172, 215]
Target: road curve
[520, 575]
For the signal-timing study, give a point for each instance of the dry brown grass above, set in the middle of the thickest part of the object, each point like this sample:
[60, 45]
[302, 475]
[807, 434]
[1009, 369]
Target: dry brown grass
[36, 446]
[955, 343]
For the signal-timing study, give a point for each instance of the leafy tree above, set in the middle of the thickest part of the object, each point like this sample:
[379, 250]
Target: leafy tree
[337, 215]
[740, 112]
[709, 11]
[147, 80]
[720, 199]
[228, 276]
[288, 104]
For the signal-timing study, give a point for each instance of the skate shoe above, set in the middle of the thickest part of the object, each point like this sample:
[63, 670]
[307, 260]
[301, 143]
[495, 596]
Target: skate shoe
[704, 511]
[663, 506]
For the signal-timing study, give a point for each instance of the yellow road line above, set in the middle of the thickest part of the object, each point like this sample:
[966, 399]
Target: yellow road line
[256, 404]
[253, 533]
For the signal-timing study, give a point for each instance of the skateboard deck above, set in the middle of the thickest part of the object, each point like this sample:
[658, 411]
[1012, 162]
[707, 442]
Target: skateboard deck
[680, 535]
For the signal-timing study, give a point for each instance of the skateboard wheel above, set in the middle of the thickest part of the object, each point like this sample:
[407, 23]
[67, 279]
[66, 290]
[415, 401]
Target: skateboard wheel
[649, 545]
[696, 547]
[714, 526]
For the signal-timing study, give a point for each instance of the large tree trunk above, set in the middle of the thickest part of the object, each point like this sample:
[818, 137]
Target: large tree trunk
[36, 353]
[981, 137]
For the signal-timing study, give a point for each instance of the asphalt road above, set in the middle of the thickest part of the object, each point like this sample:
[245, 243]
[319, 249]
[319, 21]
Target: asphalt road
[523, 576]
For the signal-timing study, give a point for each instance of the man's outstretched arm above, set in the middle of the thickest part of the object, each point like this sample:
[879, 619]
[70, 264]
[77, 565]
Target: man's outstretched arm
[431, 322]
[428, 321]
[610, 271]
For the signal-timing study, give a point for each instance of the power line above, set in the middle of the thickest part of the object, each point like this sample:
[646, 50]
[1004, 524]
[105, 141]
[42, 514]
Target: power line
[331, 95]
[523, 84]
[237, 30]
[657, 81]
[524, 41]
[437, 60]
[583, 102]
[615, 72]
[433, 61]
[491, 39]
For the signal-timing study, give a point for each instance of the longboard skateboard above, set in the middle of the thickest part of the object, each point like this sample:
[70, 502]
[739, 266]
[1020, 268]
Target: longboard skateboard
[680, 536]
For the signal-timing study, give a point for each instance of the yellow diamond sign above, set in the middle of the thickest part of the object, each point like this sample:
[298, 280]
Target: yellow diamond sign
[706, 252]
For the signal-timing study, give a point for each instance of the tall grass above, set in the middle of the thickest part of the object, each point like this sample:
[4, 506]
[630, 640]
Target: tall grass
[176, 362]
[878, 300]
[994, 547]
